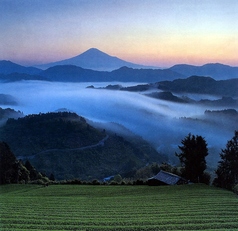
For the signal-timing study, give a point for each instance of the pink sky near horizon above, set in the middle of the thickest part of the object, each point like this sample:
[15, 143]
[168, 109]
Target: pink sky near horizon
[150, 32]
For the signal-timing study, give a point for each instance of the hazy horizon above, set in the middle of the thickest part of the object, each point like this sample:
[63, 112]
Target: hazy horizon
[154, 33]
[41, 66]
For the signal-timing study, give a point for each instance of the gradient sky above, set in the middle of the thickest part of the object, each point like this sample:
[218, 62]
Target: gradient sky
[152, 32]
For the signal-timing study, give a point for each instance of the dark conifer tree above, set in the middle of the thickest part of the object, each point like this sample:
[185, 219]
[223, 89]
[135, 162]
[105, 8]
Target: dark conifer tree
[7, 161]
[34, 175]
[192, 158]
[11, 169]
[227, 171]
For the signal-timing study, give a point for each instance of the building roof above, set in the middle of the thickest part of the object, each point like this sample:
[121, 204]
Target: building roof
[166, 177]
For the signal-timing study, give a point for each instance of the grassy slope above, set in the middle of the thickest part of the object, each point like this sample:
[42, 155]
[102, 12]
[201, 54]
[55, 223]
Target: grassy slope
[72, 207]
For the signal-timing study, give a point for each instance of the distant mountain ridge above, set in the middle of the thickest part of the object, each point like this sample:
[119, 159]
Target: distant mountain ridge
[8, 67]
[217, 71]
[202, 85]
[194, 84]
[94, 65]
[96, 60]
[71, 73]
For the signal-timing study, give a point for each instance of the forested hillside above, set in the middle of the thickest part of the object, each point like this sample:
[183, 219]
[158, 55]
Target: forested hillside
[15, 171]
[202, 85]
[66, 145]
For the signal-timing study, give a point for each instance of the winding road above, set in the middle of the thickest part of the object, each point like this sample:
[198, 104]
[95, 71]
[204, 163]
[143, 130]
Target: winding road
[100, 143]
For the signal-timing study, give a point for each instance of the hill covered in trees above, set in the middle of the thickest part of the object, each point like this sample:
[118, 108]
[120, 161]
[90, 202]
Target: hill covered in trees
[66, 145]
[8, 113]
[202, 85]
[192, 84]
[13, 170]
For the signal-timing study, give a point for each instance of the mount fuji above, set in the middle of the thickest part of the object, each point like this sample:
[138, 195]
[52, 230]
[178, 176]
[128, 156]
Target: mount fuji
[95, 59]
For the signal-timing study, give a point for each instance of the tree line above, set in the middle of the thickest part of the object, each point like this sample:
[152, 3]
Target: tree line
[192, 158]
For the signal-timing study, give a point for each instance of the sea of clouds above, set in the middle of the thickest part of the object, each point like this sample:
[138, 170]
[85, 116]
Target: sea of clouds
[157, 121]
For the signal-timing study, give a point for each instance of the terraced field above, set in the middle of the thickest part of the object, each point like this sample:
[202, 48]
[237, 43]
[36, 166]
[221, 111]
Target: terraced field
[81, 207]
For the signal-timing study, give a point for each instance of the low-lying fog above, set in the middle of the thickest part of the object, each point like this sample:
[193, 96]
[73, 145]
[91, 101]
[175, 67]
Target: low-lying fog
[157, 121]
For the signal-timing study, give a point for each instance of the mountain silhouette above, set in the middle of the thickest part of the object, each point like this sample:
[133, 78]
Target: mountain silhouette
[71, 73]
[96, 60]
[202, 85]
[217, 71]
[194, 85]
[8, 67]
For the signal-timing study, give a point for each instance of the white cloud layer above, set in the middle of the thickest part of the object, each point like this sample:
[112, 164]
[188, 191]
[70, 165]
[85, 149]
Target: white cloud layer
[157, 121]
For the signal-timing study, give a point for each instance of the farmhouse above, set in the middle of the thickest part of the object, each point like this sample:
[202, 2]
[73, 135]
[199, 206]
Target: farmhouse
[166, 178]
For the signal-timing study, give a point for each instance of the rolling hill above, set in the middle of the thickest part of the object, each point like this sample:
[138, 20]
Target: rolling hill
[66, 145]
[8, 67]
[9, 113]
[202, 85]
[193, 84]
[71, 73]
[217, 71]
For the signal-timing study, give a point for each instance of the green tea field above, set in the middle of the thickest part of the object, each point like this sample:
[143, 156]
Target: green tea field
[86, 207]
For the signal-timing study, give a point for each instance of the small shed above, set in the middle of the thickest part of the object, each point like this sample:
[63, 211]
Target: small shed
[166, 178]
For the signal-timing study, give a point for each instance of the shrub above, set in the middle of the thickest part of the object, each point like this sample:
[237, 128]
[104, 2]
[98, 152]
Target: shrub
[138, 182]
[95, 182]
[113, 183]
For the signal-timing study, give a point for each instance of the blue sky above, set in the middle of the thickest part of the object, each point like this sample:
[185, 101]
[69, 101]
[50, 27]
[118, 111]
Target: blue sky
[152, 32]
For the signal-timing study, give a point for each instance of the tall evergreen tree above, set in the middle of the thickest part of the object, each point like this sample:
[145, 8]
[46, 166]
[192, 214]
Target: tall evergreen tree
[34, 174]
[11, 170]
[192, 158]
[7, 161]
[227, 171]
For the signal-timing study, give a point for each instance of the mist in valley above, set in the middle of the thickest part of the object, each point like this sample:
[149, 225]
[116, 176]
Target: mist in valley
[162, 123]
